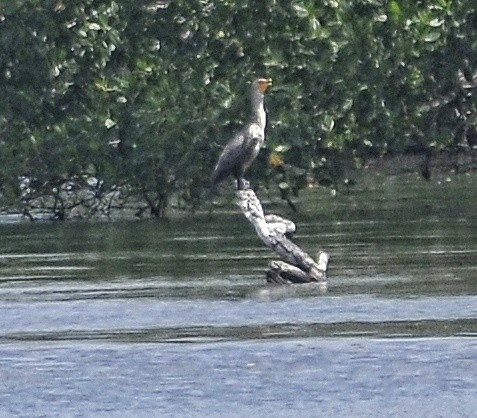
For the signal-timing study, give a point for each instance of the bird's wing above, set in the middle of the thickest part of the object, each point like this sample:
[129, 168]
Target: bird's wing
[233, 150]
[231, 154]
[239, 152]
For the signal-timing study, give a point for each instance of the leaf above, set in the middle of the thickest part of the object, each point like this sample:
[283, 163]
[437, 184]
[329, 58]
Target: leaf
[436, 23]
[94, 26]
[395, 9]
[300, 10]
[432, 37]
[348, 104]
[328, 123]
[282, 148]
[109, 123]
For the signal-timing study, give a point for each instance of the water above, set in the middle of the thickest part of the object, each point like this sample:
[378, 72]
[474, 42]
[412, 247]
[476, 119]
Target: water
[175, 319]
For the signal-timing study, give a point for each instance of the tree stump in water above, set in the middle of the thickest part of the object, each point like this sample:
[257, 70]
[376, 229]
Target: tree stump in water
[275, 232]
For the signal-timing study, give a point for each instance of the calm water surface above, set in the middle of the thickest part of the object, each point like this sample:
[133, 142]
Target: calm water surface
[175, 319]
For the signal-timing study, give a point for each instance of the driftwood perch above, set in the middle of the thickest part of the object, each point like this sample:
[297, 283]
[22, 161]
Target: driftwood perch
[297, 266]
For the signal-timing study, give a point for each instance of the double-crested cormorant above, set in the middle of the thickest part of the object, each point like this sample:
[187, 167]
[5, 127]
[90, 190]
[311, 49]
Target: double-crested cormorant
[244, 147]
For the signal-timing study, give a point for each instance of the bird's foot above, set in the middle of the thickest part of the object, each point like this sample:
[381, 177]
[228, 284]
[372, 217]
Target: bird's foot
[243, 184]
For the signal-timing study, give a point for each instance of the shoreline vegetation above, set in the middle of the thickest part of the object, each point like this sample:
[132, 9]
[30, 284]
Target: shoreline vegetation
[124, 107]
[74, 202]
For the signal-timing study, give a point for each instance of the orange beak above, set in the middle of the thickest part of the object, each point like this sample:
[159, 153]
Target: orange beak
[263, 84]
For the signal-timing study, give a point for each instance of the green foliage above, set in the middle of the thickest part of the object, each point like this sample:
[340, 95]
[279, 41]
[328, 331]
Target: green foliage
[142, 95]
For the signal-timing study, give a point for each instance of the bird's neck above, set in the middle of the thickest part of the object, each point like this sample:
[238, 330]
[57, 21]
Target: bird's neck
[259, 115]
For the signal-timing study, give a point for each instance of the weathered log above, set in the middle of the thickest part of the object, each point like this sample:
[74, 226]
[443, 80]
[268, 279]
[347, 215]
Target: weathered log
[279, 224]
[297, 266]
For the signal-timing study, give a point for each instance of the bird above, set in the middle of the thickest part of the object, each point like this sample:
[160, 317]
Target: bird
[243, 148]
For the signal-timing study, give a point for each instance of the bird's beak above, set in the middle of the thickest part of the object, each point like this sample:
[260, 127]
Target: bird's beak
[264, 84]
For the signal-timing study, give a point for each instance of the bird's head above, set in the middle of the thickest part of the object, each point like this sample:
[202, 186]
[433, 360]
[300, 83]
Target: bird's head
[262, 84]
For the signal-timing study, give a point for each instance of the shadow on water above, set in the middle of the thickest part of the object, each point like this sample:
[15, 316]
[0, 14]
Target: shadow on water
[402, 282]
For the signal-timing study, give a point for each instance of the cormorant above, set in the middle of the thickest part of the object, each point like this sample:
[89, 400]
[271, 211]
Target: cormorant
[244, 147]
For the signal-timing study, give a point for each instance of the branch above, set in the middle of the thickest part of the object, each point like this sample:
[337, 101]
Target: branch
[297, 266]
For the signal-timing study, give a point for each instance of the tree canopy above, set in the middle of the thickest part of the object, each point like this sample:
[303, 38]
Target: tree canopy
[108, 102]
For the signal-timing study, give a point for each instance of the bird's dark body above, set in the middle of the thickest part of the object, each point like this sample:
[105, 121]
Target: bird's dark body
[238, 155]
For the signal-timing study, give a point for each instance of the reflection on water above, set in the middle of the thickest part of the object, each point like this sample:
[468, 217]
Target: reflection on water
[168, 317]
